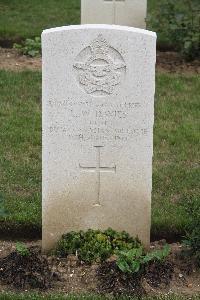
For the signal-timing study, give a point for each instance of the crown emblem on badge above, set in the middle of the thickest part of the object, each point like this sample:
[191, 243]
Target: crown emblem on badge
[101, 71]
[99, 46]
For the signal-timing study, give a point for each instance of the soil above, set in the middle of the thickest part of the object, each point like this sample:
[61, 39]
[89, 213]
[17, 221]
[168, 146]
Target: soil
[26, 270]
[172, 62]
[169, 62]
[112, 281]
[10, 59]
[53, 274]
[158, 274]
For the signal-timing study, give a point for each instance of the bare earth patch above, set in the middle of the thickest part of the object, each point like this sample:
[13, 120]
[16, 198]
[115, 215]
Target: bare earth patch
[177, 275]
[10, 59]
[172, 62]
[169, 62]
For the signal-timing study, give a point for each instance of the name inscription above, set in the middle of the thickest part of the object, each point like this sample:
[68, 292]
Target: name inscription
[102, 121]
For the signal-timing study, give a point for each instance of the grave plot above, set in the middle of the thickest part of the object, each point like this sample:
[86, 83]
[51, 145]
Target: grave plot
[98, 117]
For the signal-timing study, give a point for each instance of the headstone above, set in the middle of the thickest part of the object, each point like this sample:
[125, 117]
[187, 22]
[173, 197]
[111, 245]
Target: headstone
[98, 114]
[119, 12]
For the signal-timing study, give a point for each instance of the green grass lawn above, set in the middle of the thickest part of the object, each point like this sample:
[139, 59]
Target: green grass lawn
[27, 18]
[28, 296]
[22, 19]
[20, 150]
[176, 152]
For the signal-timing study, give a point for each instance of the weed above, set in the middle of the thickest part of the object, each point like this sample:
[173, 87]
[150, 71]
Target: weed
[22, 249]
[31, 47]
[132, 261]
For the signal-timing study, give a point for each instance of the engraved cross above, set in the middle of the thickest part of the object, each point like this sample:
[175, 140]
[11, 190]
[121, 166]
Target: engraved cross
[98, 170]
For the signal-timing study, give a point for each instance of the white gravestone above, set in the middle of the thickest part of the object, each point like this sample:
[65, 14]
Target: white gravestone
[119, 12]
[98, 114]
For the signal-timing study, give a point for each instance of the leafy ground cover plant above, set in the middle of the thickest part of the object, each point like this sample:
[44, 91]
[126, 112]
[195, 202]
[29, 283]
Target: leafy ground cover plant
[132, 261]
[31, 47]
[125, 275]
[179, 23]
[95, 245]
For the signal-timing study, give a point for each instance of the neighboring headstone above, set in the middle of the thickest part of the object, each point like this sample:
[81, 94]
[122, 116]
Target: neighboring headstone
[98, 114]
[119, 12]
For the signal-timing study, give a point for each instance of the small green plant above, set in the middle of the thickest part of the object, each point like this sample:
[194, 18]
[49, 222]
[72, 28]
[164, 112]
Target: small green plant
[132, 261]
[31, 47]
[179, 23]
[95, 245]
[192, 230]
[158, 255]
[22, 249]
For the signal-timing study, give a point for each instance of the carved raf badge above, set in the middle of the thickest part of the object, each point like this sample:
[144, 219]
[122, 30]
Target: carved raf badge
[99, 68]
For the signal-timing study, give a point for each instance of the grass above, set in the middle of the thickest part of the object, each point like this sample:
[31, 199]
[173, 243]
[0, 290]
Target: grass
[20, 150]
[29, 296]
[176, 152]
[21, 19]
